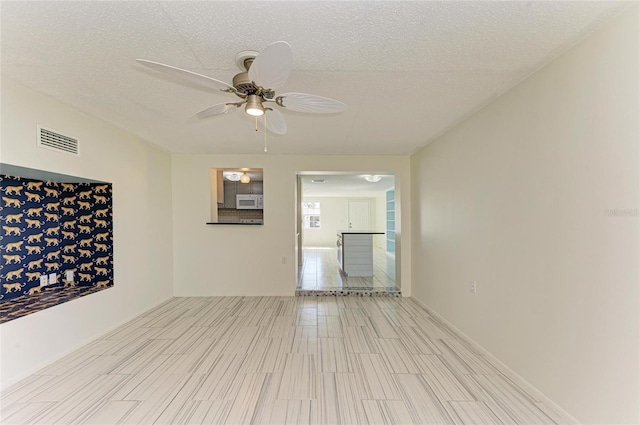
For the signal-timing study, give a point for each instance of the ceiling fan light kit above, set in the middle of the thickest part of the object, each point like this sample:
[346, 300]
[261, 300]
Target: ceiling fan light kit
[262, 74]
[254, 106]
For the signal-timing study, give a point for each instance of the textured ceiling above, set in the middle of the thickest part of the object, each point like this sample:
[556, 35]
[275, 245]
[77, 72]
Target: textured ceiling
[407, 70]
[344, 185]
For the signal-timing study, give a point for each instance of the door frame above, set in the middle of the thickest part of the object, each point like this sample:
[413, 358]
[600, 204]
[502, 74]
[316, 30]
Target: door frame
[298, 230]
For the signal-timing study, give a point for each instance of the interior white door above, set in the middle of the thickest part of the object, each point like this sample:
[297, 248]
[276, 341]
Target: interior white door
[359, 214]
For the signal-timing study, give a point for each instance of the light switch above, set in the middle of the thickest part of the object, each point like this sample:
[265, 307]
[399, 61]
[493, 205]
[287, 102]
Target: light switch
[69, 275]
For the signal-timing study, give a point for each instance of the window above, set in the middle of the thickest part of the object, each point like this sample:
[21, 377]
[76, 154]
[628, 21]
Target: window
[311, 215]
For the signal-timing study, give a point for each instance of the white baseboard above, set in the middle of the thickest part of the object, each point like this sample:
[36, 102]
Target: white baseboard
[508, 372]
[7, 383]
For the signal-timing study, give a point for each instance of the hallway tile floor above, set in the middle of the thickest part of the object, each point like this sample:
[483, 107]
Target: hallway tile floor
[321, 272]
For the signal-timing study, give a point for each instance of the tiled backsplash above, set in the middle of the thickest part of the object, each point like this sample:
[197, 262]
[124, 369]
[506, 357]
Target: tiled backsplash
[234, 216]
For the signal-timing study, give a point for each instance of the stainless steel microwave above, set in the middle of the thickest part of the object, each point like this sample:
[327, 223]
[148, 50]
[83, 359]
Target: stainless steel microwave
[249, 202]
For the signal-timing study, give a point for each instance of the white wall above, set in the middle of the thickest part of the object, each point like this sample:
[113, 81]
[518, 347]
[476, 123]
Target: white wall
[141, 177]
[515, 198]
[334, 216]
[247, 260]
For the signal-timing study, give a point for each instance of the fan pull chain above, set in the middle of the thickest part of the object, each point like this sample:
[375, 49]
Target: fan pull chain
[256, 123]
[265, 133]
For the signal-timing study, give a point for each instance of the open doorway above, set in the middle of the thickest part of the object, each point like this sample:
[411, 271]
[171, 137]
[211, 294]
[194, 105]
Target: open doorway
[346, 233]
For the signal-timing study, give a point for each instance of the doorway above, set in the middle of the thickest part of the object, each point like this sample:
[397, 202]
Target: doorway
[332, 204]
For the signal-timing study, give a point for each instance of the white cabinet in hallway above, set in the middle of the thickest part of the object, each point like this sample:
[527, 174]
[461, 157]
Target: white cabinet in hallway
[355, 252]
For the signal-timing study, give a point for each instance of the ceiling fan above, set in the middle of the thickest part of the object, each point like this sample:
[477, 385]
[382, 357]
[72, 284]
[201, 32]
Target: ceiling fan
[262, 74]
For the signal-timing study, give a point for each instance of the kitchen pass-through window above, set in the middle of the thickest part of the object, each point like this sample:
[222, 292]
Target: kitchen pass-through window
[311, 215]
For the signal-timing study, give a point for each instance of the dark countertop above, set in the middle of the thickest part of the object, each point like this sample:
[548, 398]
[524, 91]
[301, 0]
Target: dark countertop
[359, 232]
[239, 224]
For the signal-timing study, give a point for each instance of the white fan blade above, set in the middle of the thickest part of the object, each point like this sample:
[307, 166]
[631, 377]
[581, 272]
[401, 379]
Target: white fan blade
[201, 80]
[275, 121]
[270, 69]
[219, 109]
[302, 102]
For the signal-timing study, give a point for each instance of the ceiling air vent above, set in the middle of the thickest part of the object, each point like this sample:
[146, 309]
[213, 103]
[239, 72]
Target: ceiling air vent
[58, 142]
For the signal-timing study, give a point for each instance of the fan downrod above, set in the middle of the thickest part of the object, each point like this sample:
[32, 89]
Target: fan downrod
[245, 58]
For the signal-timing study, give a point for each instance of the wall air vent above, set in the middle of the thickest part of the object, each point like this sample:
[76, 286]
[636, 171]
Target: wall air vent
[49, 139]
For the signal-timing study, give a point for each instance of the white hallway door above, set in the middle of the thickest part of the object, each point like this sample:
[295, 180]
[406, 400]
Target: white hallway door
[359, 214]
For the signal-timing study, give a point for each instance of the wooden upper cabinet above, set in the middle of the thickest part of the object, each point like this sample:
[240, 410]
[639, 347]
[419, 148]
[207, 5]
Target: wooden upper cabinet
[229, 194]
[256, 187]
[231, 189]
[243, 188]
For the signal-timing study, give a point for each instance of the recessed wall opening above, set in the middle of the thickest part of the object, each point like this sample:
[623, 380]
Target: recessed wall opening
[237, 196]
[56, 239]
[346, 234]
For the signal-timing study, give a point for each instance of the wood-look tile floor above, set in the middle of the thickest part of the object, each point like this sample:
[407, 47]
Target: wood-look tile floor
[321, 271]
[275, 360]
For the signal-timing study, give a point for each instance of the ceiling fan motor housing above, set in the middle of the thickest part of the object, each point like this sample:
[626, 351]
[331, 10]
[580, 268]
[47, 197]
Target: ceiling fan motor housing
[244, 85]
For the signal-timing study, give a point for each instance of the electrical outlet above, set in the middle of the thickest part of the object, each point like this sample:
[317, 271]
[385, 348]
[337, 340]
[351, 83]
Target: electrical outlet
[43, 280]
[69, 275]
[473, 287]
